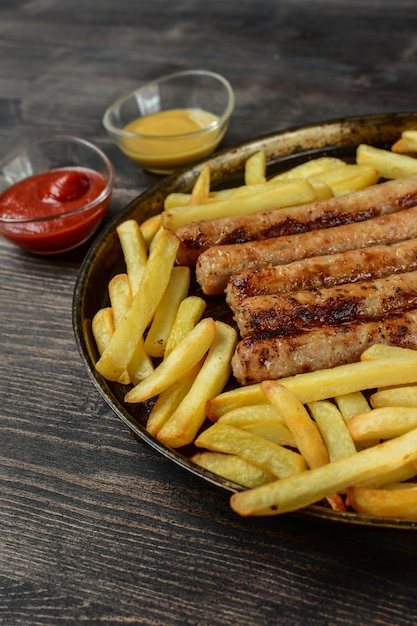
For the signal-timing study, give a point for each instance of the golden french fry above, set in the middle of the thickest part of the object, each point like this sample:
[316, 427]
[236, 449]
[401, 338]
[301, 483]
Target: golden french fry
[322, 191]
[103, 328]
[351, 404]
[201, 189]
[232, 468]
[285, 194]
[140, 365]
[395, 396]
[169, 400]
[398, 474]
[350, 177]
[324, 384]
[407, 142]
[333, 429]
[255, 168]
[389, 164]
[166, 311]
[244, 415]
[182, 359]
[120, 295]
[134, 251]
[303, 489]
[305, 431]
[189, 313]
[118, 354]
[383, 423]
[269, 456]
[187, 419]
[150, 227]
[396, 501]
[310, 168]
[381, 351]
[271, 430]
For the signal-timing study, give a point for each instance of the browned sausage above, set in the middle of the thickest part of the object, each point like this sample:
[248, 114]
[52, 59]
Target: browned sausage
[270, 357]
[324, 271]
[287, 313]
[216, 265]
[380, 199]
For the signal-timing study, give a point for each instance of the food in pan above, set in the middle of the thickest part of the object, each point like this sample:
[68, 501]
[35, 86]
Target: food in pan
[305, 425]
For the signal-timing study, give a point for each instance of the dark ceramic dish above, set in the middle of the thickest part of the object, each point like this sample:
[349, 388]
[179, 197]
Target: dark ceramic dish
[283, 150]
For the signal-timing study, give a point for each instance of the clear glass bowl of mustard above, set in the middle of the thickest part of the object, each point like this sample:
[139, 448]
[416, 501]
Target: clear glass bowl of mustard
[172, 121]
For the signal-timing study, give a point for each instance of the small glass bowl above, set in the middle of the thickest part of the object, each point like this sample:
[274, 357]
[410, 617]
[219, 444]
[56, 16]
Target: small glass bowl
[192, 90]
[62, 229]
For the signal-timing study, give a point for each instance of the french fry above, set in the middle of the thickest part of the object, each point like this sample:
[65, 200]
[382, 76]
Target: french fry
[118, 354]
[120, 295]
[201, 189]
[271, 430]
[395, 396]
[255, 168]
[348, 177]
[310, 168]
[266, 455]
[189, 313]
[187, 419]
[169, 400]
[396, 501]
[398, 474]
[140, 365]
[102, 327]
[324, 384]
[351, 404]
[233, 468]
[150, 227]
[383, 423]
[381, 351]
[285, 194]
[306, 434]
[182, 359]
[134, 251]
[166, 311]
[389, 164]
[407, 142]
[333, 429]
[244, 415]
[303, 489]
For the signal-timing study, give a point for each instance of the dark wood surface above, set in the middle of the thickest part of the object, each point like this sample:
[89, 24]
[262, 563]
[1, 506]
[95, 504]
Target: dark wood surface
[98, 528]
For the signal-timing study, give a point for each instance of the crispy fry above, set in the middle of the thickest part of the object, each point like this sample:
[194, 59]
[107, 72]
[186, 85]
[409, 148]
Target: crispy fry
[201, 188]
[333, 429]
[103, 328]
[255, 168]
[305, 488]
[351, 404]
[310, 168]
[287, 193]
[389, 164]
[269, 456]
[182, 359]
[233, 468]
[187, 419]
[271, 430]
[395, 396]
[120, 295]
[169, 400]
[121, 348]
[150, 227]
[140, 365]
[324, 384]
[166, 311]
[189, 313]
[243, 415]
[407, 143]
[383, 423]
[134, 251]
[396, 501]
[381, 351]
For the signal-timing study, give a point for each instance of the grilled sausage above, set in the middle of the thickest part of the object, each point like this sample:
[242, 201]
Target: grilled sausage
[324, 271]
[380, 199]
[270, 357]
[286, 313]
[216, 265]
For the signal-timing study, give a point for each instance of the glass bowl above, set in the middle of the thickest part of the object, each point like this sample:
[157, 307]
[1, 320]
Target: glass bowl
[172, 121]
[54, 193]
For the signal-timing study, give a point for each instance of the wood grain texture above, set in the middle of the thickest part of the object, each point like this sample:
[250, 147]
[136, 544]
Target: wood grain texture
[96, 527]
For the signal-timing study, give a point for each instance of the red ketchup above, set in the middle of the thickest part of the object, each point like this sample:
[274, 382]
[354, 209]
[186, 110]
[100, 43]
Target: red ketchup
[48, 203]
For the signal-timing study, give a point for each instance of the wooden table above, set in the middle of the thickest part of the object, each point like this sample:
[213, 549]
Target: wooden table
[98, 528]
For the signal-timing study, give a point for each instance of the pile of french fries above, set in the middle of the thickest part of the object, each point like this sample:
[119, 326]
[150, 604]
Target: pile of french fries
[290, 443]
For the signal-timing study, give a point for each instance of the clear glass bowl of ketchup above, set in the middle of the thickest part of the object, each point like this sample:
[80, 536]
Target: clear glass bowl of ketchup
[172, 121]
[54, 193]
